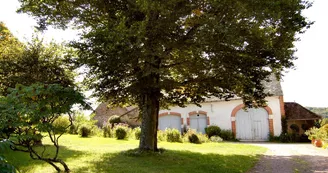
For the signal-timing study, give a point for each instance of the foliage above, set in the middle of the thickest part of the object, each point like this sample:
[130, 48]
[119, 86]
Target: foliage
[323, 111]
[212, 130]
[273, 138]
[137, 133]
[323, 132]
[227, 135]
[61, 124]
[114, 119]
[107, 132]
[312, 133]
[5, 166]
[192, 137]
[161, 135]
[202, 137]
[10, 46]
[295, 128]
[216, 139]
[29, 110]
[173, 135]
[287, 137]
[284, 124]
[325, 145]
[121, 132]
[323, 122]
[84, 131]
[79, 119]
[36, 62]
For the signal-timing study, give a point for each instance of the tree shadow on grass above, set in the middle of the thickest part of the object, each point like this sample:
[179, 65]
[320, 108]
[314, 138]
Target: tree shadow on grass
[170, 161]
[23, 162]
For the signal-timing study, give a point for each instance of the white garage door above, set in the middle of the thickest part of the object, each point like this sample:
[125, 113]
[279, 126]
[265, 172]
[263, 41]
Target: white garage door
[252, 124]
[198, 122]
[169, 121]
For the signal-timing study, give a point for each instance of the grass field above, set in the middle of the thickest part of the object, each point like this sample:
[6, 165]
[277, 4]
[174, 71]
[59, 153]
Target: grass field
[99, 155]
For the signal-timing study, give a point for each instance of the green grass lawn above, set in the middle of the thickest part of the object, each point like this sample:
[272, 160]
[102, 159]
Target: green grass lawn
[98, 155]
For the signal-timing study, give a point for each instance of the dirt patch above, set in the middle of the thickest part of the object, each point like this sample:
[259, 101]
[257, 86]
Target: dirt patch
[292, 158]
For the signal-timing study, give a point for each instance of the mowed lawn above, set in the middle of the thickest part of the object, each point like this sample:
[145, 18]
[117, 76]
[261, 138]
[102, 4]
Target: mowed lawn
[99, 154]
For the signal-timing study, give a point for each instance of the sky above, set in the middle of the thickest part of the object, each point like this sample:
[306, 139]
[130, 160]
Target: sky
[306, 84]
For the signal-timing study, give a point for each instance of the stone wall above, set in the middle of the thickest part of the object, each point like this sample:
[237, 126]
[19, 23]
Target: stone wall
[103, 112]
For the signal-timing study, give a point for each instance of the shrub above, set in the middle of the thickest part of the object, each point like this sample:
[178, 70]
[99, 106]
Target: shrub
[202, 137]
[137, 133]
[212, 131]
[191, 136]
[227, 135]
[121, 132]
[216, 139]
[72, 130]
[274, 138]
[287, 137]
[312, 133]
[173, 135]
[114, 119]
[295, 128]
[107, 132]
[324, 122]
[84, 131]
[61, 124]
[79, 119]
[161, 136]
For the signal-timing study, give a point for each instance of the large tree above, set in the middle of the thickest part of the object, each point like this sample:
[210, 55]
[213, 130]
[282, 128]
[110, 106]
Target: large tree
[153, 52]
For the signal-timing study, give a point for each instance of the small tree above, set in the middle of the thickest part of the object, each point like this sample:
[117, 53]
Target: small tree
[27, 111]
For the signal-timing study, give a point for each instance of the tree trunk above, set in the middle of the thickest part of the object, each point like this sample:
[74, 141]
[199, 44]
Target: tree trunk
[149, 110]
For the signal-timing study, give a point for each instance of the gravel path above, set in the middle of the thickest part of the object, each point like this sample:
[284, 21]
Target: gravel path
[292, 158]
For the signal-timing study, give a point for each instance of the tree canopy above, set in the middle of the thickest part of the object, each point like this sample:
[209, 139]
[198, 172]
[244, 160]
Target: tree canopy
[32, 62]
[153, 53]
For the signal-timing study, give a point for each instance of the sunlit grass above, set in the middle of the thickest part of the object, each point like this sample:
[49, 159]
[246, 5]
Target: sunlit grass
[98, 155]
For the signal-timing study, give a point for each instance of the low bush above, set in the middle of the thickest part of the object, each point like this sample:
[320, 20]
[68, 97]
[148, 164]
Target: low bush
[84, 131]
[161, 136]
[121, 132]
[227, 135]
[274, 138]
[137, 133]
[203, 137]
[216, 139]
[107, 132]
[173, 135]
[61, 124]
[212, 130]
[287, 137]
[191, 136]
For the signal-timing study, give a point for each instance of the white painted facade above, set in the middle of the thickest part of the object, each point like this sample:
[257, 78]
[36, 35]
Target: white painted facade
[219, 112]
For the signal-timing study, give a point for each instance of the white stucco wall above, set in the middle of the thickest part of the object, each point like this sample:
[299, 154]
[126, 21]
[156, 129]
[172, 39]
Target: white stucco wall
[220, 112]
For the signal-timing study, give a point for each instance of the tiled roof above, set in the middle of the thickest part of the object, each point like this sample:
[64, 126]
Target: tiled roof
[295, 111]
